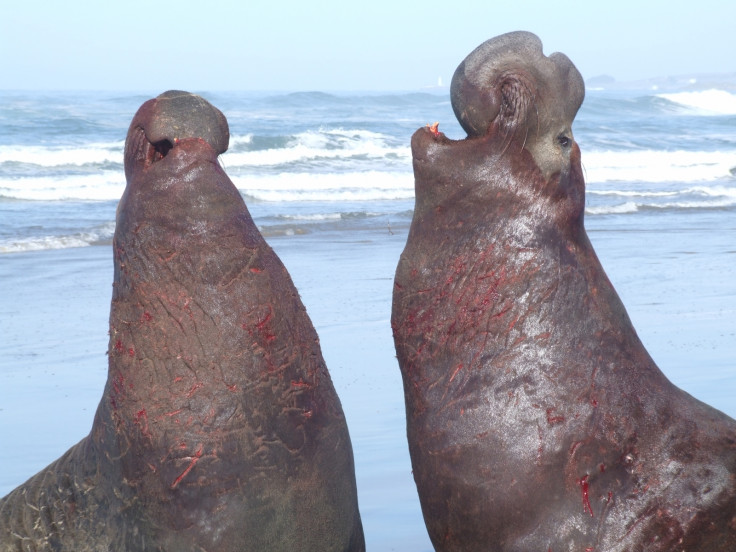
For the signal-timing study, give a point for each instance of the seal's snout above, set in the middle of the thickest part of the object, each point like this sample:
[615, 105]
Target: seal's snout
[509, 80]
[174, 117]
[509, 89]
[181, 115]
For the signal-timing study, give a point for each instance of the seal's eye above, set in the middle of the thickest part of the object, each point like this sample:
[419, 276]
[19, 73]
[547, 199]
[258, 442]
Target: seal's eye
[564, 141]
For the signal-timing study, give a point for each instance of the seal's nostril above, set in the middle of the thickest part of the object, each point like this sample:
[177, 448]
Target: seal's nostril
[161, 148]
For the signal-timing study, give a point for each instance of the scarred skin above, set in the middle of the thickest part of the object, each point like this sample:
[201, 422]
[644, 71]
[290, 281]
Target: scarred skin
[536, 419]
[219, 428]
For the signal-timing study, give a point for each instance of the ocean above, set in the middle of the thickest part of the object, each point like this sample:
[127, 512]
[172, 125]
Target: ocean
[328, 180]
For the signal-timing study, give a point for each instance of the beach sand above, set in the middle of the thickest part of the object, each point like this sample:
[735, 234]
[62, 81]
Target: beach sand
[677, 284]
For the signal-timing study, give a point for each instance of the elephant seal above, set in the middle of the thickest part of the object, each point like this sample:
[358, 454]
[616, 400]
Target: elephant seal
[536, 419]
[219, 427]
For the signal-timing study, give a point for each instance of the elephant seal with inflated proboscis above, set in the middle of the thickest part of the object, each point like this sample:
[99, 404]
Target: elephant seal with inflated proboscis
[219, 428]
[536, 419]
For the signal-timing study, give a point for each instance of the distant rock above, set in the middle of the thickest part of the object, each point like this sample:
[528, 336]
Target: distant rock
[600, 81]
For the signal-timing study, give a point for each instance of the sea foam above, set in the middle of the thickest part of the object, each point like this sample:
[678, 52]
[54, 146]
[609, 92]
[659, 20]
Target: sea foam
[311, 145]
[101, 234]
[105, 186]
[657, 166]
[368, 185]
[59, 156]
[705, 102]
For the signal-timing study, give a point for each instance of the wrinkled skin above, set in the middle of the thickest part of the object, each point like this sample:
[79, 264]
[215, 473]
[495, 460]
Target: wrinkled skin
[219, 428]
[536, 419]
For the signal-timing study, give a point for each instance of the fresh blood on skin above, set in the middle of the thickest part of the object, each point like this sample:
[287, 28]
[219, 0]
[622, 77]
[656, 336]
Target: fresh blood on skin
[193, 460]
[583, 482]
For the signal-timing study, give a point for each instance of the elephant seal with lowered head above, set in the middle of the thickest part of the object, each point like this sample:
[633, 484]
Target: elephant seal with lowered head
[536, 419]
[219, 428]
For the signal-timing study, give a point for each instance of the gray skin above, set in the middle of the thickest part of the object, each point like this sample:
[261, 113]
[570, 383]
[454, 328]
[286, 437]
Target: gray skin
[219, 428]
[536, 419]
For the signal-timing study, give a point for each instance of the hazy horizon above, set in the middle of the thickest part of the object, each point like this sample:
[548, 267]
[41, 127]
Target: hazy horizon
[83, 45]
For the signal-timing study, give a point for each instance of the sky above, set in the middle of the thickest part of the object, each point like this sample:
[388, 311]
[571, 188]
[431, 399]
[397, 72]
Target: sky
[334, 45]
